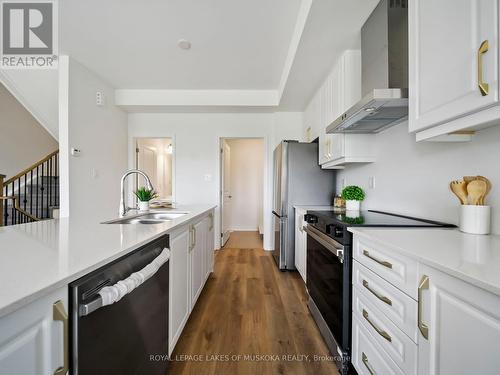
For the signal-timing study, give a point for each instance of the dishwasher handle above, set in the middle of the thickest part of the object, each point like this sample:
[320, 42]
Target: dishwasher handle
[135, 279]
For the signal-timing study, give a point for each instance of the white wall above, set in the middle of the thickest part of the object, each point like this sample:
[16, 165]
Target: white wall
[196, 138]
[413, 178]
[36, 89]
[23, 141]
[92, 190]
[247, 178]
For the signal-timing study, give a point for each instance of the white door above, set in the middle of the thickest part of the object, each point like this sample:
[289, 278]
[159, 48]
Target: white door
[463, 327]
[445, 40]
[179, 293]
[226, 192]
[147, 161]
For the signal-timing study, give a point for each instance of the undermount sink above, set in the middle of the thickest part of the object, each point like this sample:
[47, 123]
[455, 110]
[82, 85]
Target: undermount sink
[149, 218]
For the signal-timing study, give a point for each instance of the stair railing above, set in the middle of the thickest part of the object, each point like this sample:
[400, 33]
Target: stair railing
[35, 189]
[19, 215]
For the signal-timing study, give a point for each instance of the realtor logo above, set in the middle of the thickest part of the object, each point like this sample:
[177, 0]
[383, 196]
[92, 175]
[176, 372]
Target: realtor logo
[28, 34]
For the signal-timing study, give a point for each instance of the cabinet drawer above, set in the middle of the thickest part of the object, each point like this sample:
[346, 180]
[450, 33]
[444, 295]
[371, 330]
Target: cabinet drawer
[367, 357]
[401, 349]
[393, 303]
[399, 270]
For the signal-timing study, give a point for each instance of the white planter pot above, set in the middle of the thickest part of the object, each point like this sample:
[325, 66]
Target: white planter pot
[143, 206]
[475, 219]
[352, 205]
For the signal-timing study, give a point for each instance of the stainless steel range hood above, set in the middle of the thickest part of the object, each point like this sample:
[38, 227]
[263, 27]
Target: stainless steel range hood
[384, 71]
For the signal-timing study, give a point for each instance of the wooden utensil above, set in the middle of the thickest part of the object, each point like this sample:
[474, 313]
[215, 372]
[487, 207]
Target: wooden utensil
[476, 190]
[459, 188]
[488, 188]
[468, 179]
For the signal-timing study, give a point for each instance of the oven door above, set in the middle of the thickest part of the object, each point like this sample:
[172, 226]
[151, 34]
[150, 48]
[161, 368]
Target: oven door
[325, 285]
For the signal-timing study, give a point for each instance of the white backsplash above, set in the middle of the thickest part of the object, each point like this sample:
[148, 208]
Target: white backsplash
[413, 178]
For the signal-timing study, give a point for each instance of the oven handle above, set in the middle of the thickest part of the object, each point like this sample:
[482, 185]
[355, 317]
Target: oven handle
[138, 278]
[329, 243]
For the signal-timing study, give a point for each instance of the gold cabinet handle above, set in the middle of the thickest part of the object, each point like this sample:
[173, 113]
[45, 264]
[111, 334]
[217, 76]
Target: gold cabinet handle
[382, 262]
[59, 314]
[484, 88]
[379, 296]
[424, 285]
[364, 358]
[382, 333]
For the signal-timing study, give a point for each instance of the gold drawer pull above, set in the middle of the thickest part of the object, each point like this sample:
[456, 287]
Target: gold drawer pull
[484, 88]
[364, 358]
[382, 333]
[380, 297]
[59, 314]
[382, 262]
[424, 284]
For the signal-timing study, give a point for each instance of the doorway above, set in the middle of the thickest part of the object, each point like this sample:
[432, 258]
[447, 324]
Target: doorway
[242, 187]
[155, 156]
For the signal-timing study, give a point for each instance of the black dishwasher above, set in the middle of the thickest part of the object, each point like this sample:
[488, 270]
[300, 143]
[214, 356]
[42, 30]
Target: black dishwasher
[128, 337]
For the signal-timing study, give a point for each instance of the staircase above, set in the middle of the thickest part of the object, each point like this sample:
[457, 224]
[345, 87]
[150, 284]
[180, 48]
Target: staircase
[32, 194]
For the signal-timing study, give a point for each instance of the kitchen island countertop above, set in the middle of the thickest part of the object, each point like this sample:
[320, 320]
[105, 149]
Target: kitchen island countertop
[40, 257]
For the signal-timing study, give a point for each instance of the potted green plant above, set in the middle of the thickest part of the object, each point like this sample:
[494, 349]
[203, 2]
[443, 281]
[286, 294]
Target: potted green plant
[144, 195]
[353, 195]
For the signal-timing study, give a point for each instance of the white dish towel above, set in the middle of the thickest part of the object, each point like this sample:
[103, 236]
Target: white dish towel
[114, 293]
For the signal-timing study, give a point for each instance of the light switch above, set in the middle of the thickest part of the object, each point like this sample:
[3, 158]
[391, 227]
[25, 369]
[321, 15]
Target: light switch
[208, 177]
[94, 173]
[371, 182]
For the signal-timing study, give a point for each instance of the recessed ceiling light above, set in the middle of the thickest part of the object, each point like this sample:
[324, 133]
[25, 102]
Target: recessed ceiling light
[184, 44]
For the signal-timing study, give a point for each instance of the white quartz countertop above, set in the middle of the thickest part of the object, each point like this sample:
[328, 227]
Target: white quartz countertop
[472, 258]
[40, 257]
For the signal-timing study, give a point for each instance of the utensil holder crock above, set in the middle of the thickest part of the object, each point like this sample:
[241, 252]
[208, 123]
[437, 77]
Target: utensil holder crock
[475, 219]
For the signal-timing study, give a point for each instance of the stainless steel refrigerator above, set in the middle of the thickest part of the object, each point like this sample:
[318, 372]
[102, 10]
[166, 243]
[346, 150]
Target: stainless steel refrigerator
[298, 180]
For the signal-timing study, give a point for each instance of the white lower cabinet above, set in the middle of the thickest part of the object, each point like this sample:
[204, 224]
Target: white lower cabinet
[196, 258]
[300, 243]
[34, 339]
[463, 327]
[409, 318]
[367, 356]
[191, 262]
[179, 296]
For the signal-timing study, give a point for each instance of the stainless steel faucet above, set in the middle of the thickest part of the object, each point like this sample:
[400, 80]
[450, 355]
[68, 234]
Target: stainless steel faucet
[123, 206]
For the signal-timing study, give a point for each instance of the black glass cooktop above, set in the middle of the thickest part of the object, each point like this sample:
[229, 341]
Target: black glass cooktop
[374, 219]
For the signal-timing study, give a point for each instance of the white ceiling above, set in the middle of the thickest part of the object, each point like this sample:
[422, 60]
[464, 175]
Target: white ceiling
[236, 44]
[280, 49]
[332, 27]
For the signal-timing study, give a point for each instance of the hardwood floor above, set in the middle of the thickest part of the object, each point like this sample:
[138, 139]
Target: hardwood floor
[248, 317]
[244, 240]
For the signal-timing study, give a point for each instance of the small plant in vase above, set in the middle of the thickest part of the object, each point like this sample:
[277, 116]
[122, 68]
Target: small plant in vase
[145, 195]
[353, 195]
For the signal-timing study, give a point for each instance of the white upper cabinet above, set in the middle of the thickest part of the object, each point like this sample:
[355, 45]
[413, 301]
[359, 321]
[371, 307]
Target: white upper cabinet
[340, 90]
[453, 66]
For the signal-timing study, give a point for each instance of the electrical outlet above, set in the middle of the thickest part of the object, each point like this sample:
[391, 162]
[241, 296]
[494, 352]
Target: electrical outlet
[371, 182]
[99, 98]
[94, 173]
[208, 177]
[343, 182]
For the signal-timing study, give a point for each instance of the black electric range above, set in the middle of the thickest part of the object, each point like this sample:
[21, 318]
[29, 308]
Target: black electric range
[329, 271]
[335, 224]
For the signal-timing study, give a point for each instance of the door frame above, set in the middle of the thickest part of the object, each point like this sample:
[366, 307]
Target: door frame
[220, 146]
[133, 163]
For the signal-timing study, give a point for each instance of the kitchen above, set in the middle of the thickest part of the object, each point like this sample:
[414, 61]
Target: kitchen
[418, 298]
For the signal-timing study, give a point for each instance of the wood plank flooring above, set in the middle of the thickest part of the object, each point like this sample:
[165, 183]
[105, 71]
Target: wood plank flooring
[248, 319]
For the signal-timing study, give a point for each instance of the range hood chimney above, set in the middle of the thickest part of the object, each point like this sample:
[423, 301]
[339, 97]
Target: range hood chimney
[384, 72]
